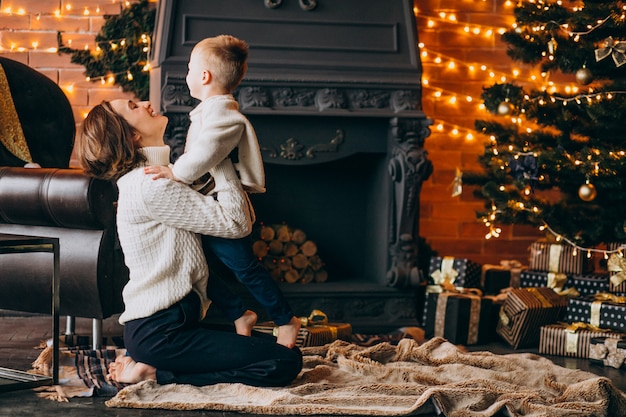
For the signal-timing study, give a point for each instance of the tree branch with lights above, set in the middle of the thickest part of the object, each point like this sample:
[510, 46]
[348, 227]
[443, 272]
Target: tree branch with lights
[557, 159]
[122, 50]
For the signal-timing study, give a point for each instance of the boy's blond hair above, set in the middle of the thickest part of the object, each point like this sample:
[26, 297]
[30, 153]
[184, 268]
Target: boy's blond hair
[226, 57]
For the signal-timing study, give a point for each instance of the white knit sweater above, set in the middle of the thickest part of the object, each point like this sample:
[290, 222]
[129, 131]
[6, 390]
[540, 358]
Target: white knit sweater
[217, 127]
[158, 224]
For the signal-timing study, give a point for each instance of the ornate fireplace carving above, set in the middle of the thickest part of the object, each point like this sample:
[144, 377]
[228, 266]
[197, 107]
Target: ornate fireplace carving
[332, 86]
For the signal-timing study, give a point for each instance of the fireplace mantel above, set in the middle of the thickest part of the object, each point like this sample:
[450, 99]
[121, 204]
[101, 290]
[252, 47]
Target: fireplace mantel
[333, 90]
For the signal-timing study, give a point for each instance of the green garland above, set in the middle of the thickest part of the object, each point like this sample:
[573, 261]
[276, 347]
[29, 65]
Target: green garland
[123, 49]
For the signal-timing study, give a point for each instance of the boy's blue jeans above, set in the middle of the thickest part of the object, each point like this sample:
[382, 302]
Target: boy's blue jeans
[237, 255]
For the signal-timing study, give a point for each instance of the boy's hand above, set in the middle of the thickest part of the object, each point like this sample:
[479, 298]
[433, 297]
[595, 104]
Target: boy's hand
[159, 172]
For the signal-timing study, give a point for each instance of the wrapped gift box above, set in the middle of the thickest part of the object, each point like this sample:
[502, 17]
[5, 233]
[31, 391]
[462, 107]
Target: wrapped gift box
[553, 257]
[617, 270]
[460, 272]
[495, 278]
[531, 278]
[523, 313]
[313, 335]
[589, 284]
[461, 318]
[571, 339]
[604, 310]
[608, 352]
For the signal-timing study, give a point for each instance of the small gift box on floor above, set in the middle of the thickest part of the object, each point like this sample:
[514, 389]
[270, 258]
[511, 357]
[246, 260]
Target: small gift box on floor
[554, 257]
[525, 311]
[608, 352]
[315, 330]
[571, 339]
[460, 272]
[461, 318]
[604, 310]
[495, 278]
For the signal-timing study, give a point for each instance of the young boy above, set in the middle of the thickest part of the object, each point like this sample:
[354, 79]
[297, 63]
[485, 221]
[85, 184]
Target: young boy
[216, 67]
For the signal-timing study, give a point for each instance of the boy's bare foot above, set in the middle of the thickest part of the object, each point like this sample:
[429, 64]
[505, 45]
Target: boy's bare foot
[245, 323]
[287, 333]
[126, 371]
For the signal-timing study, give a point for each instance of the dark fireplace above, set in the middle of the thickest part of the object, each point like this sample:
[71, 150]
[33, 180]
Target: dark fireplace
[333, 90]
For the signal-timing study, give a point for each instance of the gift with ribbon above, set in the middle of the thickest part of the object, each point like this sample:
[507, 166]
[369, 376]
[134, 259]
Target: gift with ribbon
[554, 257]
[448, 271]
[608, 351]
[462, 317]
[495, 278]
[617, 270]
[589, 284]
[525, 311]
[604, 310]
[316, 330]
[571, 339]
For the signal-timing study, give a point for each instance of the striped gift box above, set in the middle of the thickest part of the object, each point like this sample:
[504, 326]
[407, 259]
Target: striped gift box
[314, 335]
[553, 257]
[571, 339]
[525, 311]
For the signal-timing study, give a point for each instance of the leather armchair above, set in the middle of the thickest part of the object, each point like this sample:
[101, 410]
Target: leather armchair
[80, 211]
[37, 127]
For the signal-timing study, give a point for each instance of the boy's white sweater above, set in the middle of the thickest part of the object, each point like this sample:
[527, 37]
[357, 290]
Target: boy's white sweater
[217, 127]
[158, 224]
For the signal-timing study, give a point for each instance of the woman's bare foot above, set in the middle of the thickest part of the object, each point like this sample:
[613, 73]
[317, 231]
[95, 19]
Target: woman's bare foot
[126, 371]
[287, 333]
[245, 323]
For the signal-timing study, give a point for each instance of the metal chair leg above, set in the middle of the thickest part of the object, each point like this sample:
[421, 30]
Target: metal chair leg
[97, 334]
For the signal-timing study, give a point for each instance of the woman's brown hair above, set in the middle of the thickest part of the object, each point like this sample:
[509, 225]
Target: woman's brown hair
[107, 146]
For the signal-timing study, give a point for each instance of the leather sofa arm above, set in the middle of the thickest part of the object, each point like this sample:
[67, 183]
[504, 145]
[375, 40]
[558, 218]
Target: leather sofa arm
[56, 197]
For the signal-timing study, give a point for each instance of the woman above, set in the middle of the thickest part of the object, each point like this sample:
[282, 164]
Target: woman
[158, 225]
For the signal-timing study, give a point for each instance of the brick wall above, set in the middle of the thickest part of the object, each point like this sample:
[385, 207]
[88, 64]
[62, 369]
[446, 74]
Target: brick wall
[447, 223]
[28, 34]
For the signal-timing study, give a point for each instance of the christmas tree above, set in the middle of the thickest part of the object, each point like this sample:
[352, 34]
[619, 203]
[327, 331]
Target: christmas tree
[556, 152]
[123, 50]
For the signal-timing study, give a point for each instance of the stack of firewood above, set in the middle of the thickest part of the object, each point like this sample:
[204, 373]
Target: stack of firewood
[289, 255]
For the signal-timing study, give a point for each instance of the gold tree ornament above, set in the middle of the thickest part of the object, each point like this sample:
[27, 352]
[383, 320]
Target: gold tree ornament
[587, 192]
[505, 108]
[584, 76]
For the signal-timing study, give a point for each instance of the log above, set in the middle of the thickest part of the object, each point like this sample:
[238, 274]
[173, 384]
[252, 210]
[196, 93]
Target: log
[277, 275]
[275, 247]
[307, 275]
[283, 234]
[290, 249]
[260, 248]
[321, 275]
[291, 276]
[284, 264]
[315, 262]
[267, 233]
[270, 263]
[308, 248]
[298, 237]
[300, 261]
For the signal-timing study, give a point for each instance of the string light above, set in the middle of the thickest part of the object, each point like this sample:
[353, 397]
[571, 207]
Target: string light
[67, 11]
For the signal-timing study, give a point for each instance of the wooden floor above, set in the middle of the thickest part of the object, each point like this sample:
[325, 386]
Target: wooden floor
[20, 335]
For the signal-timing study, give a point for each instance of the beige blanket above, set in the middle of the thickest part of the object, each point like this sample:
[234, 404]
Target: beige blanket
[408, 379]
